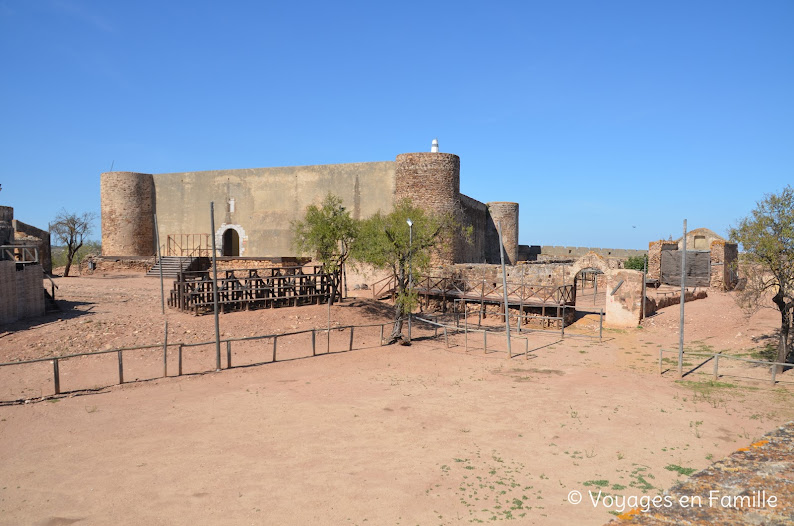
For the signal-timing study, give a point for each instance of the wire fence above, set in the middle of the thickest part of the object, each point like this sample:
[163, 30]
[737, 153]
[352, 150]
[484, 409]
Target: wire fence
[183, 358]
[715, 358]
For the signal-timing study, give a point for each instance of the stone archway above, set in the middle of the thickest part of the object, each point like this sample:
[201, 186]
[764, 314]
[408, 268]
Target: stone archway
[223, 237]
[586, 270]
[591, 260]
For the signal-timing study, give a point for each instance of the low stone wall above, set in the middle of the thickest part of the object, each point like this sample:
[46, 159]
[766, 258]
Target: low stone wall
[23, 292]
[116, 264]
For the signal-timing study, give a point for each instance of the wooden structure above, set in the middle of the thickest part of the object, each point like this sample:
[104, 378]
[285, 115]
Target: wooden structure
[244, 289]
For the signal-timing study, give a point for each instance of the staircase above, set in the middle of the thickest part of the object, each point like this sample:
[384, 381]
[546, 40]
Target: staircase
[172, 266]
[50, 305]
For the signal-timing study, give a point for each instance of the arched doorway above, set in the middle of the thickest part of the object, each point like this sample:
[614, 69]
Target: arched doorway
[231, 242]
[590, 286]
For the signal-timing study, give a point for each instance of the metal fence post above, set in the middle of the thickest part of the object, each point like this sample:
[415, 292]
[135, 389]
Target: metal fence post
[275, 339]
[314, 343]
[179, 360]
[228, 354]
[601, 325]
[774, 373]
[381, 334]
[57, 376]
[660, 360]
[121, 369]
[350, 346]
[446, 337]
[562, 323]
[716, 366]
[485, 342]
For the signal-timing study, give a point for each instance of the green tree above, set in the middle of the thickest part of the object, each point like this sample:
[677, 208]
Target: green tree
[636, 262]
[384, 242]
[71, 230]
[327, 231]
[767, 240]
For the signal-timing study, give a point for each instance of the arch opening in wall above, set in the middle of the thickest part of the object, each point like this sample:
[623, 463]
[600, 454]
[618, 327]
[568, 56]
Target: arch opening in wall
[590, 286]
[231, 243]
[231, 240]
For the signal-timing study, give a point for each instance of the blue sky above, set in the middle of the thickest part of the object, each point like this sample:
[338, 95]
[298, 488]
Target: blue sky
[609, 122]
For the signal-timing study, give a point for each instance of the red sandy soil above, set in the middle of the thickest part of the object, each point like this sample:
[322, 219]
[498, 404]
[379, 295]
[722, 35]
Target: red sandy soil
[420, 434]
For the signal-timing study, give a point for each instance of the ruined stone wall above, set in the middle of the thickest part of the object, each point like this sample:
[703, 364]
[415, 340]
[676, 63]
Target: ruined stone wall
[104, 264]
[723, 260]
[475, 215]
[23, 292]
[30, 235]
[655, 256]
[507, 213]
[6, 227]
[128, 214]
[431, 181]
[536, 274]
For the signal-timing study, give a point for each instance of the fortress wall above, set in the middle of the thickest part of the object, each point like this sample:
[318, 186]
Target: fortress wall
[475, 215]
[562, 251]
[266, 200]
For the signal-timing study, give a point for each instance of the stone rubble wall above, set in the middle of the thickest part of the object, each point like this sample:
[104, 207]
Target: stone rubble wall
[23, 292]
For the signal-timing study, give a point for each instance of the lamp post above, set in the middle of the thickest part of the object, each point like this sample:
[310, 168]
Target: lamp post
[410, 268]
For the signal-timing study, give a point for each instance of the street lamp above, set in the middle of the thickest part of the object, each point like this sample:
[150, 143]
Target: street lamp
[410, 268]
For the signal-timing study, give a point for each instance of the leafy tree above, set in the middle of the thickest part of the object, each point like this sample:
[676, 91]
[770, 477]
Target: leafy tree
[383, 242]
[327, 231]
[71, 230]
[767, 240]
[636, 262]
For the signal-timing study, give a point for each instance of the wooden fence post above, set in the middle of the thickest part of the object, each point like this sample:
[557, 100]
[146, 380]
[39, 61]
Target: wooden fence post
[57, 376]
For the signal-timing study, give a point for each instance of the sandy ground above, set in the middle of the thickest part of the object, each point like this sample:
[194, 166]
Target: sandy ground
[424, 434]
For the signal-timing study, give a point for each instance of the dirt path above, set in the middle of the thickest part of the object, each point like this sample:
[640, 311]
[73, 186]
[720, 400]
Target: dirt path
[381, 435]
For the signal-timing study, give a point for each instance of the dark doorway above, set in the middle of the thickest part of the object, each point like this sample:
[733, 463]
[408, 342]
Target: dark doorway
[231, 243]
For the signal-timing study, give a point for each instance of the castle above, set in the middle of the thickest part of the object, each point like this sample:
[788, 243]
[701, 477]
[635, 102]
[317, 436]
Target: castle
[254, 207]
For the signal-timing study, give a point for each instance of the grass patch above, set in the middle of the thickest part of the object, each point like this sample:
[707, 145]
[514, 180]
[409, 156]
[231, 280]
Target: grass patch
[680, 470]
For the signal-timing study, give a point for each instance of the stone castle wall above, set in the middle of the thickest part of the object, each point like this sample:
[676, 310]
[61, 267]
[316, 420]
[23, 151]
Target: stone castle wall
[475, 215]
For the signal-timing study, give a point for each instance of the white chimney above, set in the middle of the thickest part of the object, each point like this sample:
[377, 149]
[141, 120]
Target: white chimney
[434, 146]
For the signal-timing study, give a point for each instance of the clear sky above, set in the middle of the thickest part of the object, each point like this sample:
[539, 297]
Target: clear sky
[609, 122]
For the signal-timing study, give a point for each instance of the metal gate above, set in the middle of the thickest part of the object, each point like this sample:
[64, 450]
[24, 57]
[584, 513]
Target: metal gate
[698, 268]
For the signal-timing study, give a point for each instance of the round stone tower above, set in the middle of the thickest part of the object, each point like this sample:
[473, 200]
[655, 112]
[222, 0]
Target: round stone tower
[507, 213]
[431, 180]
[127, 214]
